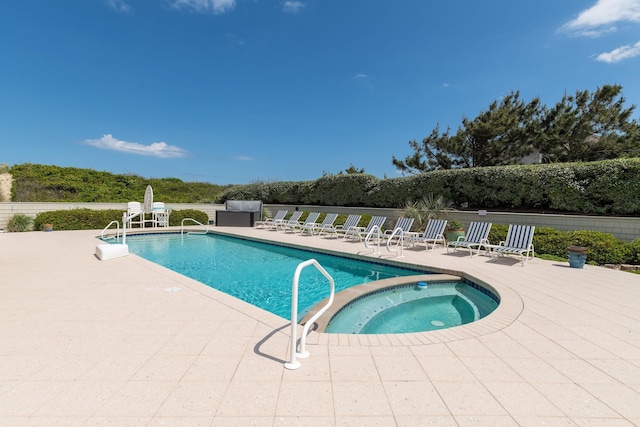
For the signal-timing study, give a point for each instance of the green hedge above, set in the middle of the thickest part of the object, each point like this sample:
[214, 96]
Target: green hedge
[604, 248]
[88, 219]
[610, 187]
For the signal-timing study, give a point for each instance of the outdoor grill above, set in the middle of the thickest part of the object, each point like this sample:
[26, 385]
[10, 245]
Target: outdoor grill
[239, 213]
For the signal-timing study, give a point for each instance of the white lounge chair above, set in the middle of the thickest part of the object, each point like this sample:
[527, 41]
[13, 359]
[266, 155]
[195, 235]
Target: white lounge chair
[403, 224]
[361, 233]
[519, 242]
[279, 217]
[433, 234]
[326, 223]
[293, 220]
[475, 238]
[351, 222]
[308, 222]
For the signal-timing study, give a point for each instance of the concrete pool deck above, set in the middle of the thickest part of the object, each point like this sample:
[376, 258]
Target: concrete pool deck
[126, 342]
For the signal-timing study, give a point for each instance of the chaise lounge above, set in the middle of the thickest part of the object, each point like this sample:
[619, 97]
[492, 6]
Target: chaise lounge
[476, 238]
[519, 242]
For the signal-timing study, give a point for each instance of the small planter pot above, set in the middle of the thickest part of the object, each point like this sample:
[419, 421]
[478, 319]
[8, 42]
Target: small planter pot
[577, 256]
[47, 227]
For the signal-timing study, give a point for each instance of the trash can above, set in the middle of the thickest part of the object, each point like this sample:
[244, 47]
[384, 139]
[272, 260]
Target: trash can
[577, 256]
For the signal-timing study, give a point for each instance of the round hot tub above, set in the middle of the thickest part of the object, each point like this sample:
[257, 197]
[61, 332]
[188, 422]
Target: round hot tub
[414, 307]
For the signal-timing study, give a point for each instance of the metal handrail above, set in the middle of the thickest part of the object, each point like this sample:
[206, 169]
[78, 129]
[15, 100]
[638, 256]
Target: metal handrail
[206, 228]
[400, 233]
[293, 363]
[374, 230]
[125, 220]
[117, 236]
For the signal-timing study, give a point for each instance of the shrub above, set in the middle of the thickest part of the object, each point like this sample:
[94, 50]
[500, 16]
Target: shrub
[48, 183]
[551, 241]
[177, 216]
[88, 219]
[498, 233]
[633, 253]
[19, 223]
[604, 248]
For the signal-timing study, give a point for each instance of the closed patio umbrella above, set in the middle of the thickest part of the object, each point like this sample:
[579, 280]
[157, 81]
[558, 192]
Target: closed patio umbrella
[148, 199]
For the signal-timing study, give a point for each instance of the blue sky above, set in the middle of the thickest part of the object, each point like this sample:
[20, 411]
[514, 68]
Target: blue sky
[238, 91]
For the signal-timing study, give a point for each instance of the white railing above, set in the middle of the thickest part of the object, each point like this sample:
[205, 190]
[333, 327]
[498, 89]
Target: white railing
[399, 233]
[293, 363]
[206, 228]
[125, 220]
[374, 232]
[104, 235]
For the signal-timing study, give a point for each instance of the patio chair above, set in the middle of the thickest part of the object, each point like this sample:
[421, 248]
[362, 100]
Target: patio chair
[160, 215]
[279, 217]
[433, 234]
[293, 220]
[476, 238]
[132, 209]
[403, 224]
[361, 233]
[519, 242]
[327, 222]
[351, 222]
[309, 222]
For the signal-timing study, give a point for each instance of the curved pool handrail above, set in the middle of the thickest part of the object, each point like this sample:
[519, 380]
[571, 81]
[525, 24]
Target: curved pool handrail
[375, 231]
[399, 232]
[206, 228]
[293, 363]
[104, 231]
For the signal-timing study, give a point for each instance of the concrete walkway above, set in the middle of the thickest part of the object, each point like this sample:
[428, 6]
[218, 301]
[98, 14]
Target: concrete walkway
[126, 342]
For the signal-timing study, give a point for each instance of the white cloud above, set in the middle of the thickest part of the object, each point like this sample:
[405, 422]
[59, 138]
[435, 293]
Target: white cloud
[617, 55]
[598, 19]
[203, 6]
[243, 158]
[360, 76]
[119, 6]
[156, 149]
[292, 6]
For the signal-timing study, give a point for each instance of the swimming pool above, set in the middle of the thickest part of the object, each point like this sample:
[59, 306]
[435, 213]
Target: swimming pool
[256, 272]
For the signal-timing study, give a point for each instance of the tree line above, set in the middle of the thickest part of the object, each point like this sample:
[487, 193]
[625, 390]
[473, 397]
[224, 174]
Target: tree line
[579, 128]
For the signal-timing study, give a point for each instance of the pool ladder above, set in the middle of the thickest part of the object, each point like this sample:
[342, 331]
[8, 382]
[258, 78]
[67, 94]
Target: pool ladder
[302, 354]
[205, 231]
[105, 236]
[399, 233]
[377, 236]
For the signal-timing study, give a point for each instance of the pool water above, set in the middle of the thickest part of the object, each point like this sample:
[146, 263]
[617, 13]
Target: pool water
[413, 308]
[255, 272]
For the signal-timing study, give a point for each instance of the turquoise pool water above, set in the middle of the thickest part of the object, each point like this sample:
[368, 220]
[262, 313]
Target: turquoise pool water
[413, 308]
[255, 272]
